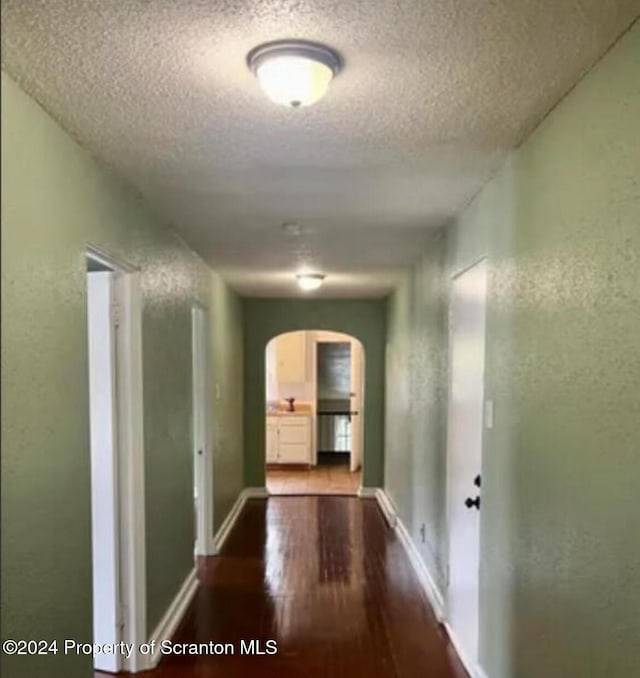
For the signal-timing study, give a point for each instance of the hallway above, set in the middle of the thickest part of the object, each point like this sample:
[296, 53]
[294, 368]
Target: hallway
[327, 579]
[244, 241]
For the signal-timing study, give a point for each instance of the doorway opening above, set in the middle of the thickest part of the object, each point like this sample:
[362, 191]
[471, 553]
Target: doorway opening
[464, 455]
[201, 434]
[314, 413]
[117, 465]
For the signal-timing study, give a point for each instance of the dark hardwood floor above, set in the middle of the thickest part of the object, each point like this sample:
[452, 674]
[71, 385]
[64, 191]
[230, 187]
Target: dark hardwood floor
[328, 581]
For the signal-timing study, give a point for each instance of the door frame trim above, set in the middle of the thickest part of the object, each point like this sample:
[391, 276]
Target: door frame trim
[452, 278]
[204, 543]
[343, 337]
[133, 575]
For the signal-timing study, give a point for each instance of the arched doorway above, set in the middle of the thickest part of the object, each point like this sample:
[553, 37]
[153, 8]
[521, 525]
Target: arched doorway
[314, 403]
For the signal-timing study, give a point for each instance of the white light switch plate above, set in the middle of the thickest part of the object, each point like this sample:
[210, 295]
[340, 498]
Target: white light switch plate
[488, 414]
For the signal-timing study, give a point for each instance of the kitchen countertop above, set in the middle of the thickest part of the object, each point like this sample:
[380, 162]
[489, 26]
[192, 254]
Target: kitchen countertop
[281, 413]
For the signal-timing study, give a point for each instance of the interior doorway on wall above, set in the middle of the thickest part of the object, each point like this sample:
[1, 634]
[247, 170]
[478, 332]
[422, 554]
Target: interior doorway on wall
[464, 455]
[318, 447]
[201, 434]
[117, 468]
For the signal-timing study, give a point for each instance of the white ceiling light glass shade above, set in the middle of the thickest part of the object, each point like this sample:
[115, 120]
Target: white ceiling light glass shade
[309, 281]
[293, 72]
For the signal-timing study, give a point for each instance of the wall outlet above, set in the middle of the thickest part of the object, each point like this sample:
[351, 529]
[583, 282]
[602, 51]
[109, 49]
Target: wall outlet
[423, 533]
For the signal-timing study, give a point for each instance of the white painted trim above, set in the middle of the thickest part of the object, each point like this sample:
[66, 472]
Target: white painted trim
[256, 493]
[229, 522]
[368, 492]
[387, 508]
[201, 431]
[314, 382]
[134, 573]
[99, 255]
[427, 582]
[169, 623]
[105, 481]
[460, 271]
[473, 669]
[429, 586]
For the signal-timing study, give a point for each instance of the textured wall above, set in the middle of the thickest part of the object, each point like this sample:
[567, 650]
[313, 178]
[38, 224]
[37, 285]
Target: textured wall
[55, 200]
[415, 411]
[560, 223]
[576, 377]
[228, 403]
[266, 318]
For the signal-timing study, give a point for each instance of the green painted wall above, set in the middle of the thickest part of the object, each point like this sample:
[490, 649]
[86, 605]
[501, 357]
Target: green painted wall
[55, 199]
[415, 413]
[560, 224]
[227, 398]
[265, 319]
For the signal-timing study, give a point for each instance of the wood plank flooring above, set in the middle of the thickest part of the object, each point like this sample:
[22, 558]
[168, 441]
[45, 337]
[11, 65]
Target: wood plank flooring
[313, 480]
[329, 582]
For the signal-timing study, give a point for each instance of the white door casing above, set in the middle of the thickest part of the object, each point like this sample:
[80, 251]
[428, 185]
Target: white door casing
[105, 509]
[128, 518]
[467, 322]
[202, 462]
[357, 403]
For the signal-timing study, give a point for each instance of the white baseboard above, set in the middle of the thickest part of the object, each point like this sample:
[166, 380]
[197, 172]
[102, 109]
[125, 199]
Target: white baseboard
[169, 623]
[232, 516]
[472, 668]
[387, 507]
[175, 612]
[256, 492]
[427, 582]
[367, 492]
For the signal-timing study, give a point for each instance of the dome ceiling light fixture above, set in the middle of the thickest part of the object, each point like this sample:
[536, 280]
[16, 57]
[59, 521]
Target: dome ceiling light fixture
[294, 73]
[293, 229]
[308, 282]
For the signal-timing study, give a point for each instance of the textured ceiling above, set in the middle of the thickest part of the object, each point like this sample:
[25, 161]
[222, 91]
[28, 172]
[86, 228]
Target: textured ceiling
[433, 95]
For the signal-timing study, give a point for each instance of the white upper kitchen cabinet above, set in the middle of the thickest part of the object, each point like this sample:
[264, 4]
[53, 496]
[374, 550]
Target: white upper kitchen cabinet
[291, 357]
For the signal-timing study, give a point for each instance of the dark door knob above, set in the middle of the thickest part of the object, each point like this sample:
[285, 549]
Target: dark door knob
[477, 481]
[470, 503]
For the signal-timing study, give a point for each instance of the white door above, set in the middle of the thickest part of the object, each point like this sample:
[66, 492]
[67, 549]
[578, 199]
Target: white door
[105, 514]
[464, 453]
[357, 402]
[202, 465]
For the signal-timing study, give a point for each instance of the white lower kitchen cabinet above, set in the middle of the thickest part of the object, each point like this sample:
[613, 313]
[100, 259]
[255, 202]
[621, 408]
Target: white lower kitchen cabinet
[272, 440]
[288, 439]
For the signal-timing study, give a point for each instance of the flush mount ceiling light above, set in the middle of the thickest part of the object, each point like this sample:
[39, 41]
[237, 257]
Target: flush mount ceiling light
[294, 72]
[309, 281]
[291, 228]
